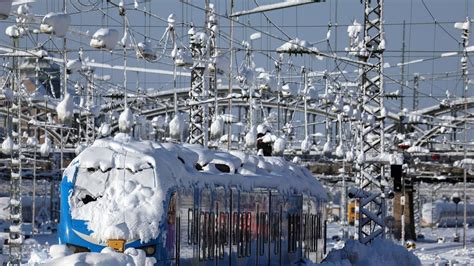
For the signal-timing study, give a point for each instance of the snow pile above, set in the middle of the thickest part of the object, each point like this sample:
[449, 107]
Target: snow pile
[13, 31]
[279, 146]
[294, 46]
[464, 163]
[130, 181]
[417, 149]
[55, 23]
[65, 109]
[126, 120]
[379, 252]
[60, 255]
[105, 38]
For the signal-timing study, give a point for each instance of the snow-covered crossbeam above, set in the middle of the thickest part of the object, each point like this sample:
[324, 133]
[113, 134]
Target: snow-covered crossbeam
[127, 182]
[271, 7]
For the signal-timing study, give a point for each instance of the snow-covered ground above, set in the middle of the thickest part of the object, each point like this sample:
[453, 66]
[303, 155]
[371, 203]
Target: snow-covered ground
[429, 250]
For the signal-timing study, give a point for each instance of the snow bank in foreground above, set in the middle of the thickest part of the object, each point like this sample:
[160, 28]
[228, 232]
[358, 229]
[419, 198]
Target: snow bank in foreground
[379, 252]
[131, 257]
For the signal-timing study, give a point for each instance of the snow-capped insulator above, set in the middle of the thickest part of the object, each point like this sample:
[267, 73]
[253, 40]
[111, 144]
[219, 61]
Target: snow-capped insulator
[146, 51]
[177, 127]
[296, 160]
[339, 151]
[104, 129]
[171, 20]
[7, 146]
[45, 148]
[73, 65]
[5, 7]
[55, 23]
[217, 127]
[105, 38]
[12, 31]
[31, 141]
[251, 137]
[306, 145]
[327, 148]
[126, 120]
[279, 146]
[65, 109]
[349, 156]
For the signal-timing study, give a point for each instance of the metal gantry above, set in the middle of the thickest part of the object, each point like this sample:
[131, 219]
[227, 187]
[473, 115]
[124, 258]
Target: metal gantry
[371, 175]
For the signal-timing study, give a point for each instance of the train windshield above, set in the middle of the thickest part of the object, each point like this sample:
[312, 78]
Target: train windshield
[92, 183]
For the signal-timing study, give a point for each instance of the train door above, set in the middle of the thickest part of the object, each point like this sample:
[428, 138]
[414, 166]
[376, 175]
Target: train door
[169, 254]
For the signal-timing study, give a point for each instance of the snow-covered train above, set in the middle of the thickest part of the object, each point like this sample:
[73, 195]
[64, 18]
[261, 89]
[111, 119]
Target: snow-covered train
[443, 214]
[184, 204]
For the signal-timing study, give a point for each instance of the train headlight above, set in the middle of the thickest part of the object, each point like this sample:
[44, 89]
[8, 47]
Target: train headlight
[150, 250]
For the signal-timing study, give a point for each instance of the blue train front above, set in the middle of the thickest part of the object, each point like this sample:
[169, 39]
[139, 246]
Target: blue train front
[190, 206]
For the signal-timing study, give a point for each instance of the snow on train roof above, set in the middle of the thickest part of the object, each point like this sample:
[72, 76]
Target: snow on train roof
[126, 182]
[122, 152]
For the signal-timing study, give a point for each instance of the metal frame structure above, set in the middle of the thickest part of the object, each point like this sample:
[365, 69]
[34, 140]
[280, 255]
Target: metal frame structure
[371, 176]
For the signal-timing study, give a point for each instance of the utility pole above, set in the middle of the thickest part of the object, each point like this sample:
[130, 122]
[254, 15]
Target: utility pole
[15, 206]
[371, 175]
[465, 27]
[416, 93]
[402, 69]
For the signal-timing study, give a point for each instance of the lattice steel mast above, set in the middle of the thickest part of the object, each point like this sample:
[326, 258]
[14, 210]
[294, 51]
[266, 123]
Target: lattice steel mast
[371, 176]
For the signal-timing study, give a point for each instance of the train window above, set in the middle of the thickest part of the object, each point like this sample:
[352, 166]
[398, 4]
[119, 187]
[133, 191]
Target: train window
[190, 226]
[224, 168]
[248, 235]
[210, 235]
[262, 231]
[203, 233]
[240, 244]
[235, 226]
[223, 229]
[195, 228]
[290, 233]
[275, 231]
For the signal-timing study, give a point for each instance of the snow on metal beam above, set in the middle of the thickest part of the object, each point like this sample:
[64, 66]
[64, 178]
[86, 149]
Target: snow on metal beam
[271, 7]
